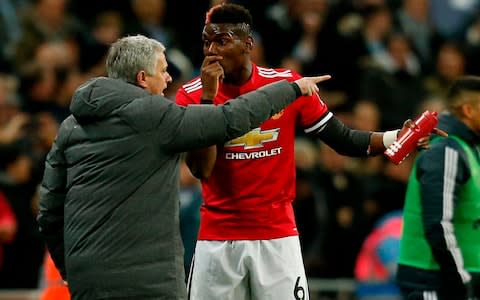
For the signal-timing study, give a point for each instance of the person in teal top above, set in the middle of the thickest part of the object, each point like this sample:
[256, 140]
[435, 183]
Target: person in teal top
[440, 244]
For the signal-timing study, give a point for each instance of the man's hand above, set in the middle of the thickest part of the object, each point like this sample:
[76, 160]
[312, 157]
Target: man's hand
[424, 142]
[211, 74]
[308, 85]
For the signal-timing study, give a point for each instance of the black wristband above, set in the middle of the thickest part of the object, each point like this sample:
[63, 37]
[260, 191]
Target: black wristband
[295, 86]
[206, 101]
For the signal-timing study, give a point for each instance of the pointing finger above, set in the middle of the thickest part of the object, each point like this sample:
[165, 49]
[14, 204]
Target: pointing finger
[318, 79]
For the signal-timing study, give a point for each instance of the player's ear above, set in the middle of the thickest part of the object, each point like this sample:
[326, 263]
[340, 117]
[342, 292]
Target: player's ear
[141, 79]
[249, 43]
[468, 110]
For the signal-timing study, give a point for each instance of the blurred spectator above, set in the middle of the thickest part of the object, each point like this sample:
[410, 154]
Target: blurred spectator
[182, 21]
[310, 208]
[8, 224]
[23, 257]
[281, 19]
[399, 56]
[149, 20]
[449, 65]
[366, 116]
[370, 174]
[392, 81]
[45, 20]
[47, 82]
[38, 90]
[359, 43]
[413, 19]
[452, 17]
[437, 104]
[24, 140]
[345, 229]
[9, 31]
[376, 264]
[9, 106]
[311, 21]
[107, 26]
[472, 45]
[316, 45]
[387, 191]
[306, 154]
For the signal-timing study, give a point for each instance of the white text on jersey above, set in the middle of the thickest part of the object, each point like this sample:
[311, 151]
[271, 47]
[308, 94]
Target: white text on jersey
[253, 155]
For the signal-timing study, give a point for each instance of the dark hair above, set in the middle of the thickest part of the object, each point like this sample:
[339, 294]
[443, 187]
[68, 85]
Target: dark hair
[463, 84]
[229, 13]
[368, 11]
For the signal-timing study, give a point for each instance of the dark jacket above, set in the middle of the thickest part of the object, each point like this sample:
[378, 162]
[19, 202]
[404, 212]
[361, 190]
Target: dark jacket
[109, 200]
[436, 192]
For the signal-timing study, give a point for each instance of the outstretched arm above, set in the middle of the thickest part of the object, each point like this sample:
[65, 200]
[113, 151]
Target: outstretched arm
[357, 143]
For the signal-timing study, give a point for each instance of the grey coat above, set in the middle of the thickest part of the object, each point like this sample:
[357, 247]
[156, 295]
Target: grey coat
[109, 197]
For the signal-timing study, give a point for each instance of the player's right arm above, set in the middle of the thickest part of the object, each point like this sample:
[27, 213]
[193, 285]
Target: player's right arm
[201, 162]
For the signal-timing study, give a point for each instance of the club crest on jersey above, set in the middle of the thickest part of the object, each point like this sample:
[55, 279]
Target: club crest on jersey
[255, 138]
[277, 115]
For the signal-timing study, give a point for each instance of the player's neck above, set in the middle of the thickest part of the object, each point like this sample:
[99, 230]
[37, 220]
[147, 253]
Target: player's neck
[241, 76]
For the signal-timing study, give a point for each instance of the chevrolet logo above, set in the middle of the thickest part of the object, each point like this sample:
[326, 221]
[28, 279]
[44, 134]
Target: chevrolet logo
[254, 139]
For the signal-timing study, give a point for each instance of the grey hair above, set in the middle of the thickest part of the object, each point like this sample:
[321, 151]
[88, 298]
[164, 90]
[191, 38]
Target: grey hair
[132, 54]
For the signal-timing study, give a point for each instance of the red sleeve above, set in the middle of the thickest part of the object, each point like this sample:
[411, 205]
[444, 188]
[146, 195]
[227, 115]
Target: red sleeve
[311, 110]
[182, 98]
[189, 93]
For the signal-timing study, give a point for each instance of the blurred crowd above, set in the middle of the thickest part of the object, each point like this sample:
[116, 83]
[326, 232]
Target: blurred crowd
[389, 60]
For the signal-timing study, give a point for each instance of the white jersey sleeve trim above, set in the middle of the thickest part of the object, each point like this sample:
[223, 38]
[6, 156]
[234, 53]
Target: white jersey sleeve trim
[193, 86]
[450, 172]
[271, 73]
[319, 124]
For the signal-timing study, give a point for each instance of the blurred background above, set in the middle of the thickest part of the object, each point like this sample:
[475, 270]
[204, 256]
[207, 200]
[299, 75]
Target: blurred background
[389, 59]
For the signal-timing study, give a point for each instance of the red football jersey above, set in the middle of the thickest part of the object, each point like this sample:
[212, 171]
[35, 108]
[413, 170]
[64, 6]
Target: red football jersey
[250, 192]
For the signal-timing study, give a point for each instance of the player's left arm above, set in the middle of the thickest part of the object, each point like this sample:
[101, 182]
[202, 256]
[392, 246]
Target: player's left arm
[201, 161]
[352, 142]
